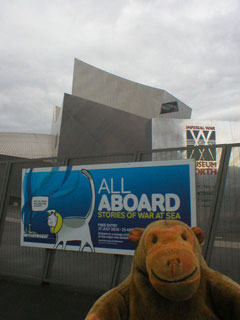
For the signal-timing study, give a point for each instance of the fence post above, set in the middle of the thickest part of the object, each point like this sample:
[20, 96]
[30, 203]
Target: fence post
[50, 253]
[4, 197]
[217, 202]
[136, 156]
[119, 258]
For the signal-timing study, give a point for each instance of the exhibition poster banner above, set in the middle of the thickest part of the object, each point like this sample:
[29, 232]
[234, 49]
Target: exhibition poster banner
[93, 207]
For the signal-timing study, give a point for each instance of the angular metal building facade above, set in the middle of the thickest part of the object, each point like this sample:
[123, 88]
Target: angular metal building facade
[88, 127]
[107, 113]
[96, 85]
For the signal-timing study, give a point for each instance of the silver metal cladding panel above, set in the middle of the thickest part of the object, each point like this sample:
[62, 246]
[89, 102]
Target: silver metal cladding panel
[91, 128]
[171, 133]
[105, 88]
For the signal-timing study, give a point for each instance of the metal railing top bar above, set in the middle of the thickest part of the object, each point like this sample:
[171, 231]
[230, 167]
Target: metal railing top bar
[192, 147]
[23, 160]
[100, 155]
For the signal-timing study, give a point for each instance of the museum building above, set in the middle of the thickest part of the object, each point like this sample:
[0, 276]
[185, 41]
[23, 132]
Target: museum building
[108, 114]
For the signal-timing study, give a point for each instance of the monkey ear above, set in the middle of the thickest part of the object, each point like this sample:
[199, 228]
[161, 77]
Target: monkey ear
[199, 234]
[135, 235]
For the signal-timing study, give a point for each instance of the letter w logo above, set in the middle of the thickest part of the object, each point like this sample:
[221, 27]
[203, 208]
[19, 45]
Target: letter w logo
[201, 138]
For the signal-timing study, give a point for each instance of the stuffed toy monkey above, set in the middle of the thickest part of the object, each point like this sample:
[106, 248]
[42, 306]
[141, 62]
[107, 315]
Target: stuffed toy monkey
[169, 279]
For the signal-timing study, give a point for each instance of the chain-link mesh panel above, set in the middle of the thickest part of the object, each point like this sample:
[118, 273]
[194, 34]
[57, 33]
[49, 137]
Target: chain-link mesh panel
[14, 259]
[169, 155]
[95, 271]
[125, 268]
[145, 156]
[83, 269]
[206, 178]
[226, 251]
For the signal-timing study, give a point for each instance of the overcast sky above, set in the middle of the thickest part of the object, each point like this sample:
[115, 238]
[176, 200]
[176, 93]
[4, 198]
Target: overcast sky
[190, 48]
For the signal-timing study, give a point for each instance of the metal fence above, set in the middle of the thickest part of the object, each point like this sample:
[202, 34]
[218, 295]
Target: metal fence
[218, 203]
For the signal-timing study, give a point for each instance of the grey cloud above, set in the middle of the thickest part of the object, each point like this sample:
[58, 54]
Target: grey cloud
[189, 48]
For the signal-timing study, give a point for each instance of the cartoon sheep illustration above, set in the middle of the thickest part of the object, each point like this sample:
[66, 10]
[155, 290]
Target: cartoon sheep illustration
[73, 228]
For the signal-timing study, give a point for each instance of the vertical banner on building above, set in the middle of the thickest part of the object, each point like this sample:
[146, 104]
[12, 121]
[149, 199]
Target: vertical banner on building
[92, 208]
[202, 137]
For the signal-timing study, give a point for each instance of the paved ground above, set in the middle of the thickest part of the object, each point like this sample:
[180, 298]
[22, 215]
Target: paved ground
[25, 301]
